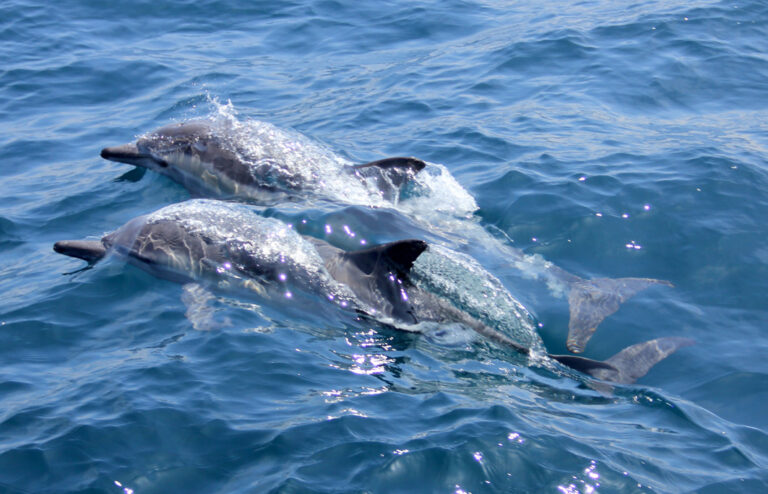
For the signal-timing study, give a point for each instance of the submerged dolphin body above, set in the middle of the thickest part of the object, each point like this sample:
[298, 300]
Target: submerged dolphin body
[266, 167]
[263, 164]
[227, 245]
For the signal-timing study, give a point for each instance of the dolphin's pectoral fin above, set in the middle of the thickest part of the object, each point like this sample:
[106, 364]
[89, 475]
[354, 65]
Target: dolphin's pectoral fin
[628, 365]
[591, 301]
[132, 175]
[87, 250]
[199, 311]
[395, 256]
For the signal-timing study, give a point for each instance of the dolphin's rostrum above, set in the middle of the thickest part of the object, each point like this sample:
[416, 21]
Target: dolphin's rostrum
[227, 245]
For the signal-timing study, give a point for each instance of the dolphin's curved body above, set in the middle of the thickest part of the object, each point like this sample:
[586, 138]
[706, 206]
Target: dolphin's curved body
[263, 164]
[205, 241]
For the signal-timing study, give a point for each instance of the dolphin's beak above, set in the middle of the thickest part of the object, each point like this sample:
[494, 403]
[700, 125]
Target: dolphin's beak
[87, 250]
[127, 153]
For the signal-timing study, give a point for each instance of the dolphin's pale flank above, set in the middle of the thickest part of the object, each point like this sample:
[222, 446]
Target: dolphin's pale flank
[227, 245]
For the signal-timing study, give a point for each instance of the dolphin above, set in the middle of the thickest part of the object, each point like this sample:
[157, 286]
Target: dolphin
[227, 245]
[264, 165]
[267, 167]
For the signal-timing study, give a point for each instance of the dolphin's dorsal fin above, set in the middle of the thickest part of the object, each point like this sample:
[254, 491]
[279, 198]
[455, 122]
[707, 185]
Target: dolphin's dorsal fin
[413, 164]
[395, 256]
[390, 173]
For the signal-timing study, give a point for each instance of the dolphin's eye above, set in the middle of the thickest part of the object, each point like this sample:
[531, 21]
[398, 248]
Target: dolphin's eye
[200, 146]
[162, 163]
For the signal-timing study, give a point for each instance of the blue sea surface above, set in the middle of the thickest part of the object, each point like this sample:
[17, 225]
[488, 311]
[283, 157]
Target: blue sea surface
[612, 138]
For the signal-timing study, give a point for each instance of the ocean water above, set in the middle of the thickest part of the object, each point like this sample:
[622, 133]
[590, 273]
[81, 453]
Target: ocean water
[610, 138]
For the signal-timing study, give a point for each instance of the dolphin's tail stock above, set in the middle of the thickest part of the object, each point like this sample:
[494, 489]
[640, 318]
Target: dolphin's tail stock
[591, 301]
[628, 365]
[625, 367]
[87, 250]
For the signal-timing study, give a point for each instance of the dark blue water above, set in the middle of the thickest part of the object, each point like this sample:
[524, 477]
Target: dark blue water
[611, 138]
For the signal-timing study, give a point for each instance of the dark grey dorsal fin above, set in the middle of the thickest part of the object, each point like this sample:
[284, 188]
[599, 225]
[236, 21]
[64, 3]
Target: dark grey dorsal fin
[395, 256]
[390, 174]
[413, 164]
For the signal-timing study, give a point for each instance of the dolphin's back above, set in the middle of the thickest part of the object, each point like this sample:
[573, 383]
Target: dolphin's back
[202, 239]
[166, 248]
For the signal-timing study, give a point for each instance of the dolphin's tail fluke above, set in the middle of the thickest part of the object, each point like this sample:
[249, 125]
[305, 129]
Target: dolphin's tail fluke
[628, 365]
[87, 250]
[591, 301]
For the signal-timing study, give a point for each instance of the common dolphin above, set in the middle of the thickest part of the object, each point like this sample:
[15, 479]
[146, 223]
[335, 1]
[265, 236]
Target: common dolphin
[206, 241]
[266, 167]
[263, 164]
